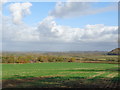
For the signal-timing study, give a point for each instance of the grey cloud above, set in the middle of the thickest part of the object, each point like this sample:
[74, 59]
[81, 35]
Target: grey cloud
[77, 9]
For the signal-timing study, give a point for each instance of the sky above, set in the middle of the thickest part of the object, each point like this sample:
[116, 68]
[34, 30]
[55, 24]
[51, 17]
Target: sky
[59, 26]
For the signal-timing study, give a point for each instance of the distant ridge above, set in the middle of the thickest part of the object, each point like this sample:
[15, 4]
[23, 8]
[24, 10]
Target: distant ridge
[114, 52]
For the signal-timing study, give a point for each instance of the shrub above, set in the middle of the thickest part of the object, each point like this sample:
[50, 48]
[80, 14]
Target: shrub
[72, 60]
[51, 59]
[40, 59]
[59, 59]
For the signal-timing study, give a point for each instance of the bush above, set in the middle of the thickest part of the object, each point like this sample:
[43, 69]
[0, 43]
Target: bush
[51, 59]
[72, 60]
[58, 59]
[40, 59]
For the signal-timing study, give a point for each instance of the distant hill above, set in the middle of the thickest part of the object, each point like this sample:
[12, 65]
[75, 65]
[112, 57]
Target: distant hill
[114, 52]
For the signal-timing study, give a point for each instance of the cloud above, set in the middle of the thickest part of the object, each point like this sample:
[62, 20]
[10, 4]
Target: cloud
[3, 2]
[48, 36]
[100, 33]
[19, 10]
[17, 32]
[50, 31]
[76, 9]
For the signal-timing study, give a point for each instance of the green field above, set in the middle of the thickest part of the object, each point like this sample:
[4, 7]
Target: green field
[67, 75]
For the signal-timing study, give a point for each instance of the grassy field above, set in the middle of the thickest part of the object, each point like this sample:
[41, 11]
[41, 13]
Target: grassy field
[64, 75]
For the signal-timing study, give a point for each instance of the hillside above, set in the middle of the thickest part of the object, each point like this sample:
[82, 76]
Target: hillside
[114, 52]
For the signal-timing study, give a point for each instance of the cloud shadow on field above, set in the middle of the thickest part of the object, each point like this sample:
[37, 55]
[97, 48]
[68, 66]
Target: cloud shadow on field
[98, 70]
[60, 82]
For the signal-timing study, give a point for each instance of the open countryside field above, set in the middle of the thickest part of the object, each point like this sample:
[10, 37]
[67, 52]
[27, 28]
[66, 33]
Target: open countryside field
[60, 74]
[59, 44]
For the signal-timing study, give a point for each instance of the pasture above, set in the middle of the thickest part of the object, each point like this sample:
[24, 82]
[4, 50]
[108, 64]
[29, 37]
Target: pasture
[60, 74]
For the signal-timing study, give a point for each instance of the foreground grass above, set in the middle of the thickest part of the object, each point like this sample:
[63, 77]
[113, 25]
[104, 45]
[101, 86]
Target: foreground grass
[37, 75]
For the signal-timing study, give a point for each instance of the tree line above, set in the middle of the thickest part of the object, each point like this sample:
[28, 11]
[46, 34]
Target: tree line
[39, 58]
[35, 59]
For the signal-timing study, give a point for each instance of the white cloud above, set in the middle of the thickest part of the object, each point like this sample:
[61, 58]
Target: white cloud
[100, 33]
[75, 9]
[50, 31]
[17, 32]
[19, 10]
[3, 1]
[26, 33]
